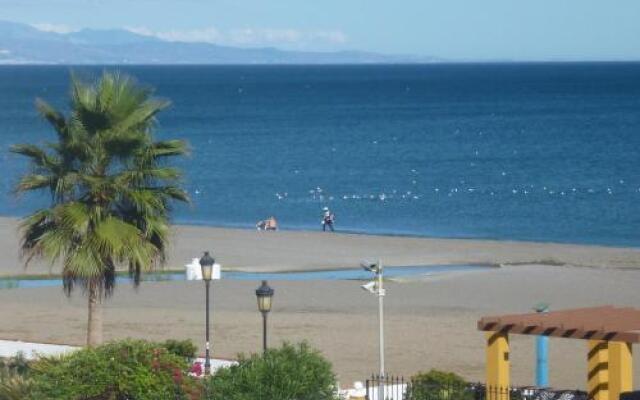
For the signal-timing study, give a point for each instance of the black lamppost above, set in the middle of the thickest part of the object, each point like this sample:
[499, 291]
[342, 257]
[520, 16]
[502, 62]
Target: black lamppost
[206, 264]
[264, 294]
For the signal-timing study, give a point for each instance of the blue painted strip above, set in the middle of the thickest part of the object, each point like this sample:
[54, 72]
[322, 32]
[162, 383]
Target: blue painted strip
[542, 361]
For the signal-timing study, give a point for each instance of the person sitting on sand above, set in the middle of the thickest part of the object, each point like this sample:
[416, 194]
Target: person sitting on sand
[269, 224]
[327, 219]
[272, 224]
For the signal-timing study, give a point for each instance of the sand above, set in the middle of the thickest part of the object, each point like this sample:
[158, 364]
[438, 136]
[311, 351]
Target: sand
[430, 323]
[249, 250]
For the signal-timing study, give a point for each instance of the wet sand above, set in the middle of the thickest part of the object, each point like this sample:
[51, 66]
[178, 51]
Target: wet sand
[302, 251]
[430, 323]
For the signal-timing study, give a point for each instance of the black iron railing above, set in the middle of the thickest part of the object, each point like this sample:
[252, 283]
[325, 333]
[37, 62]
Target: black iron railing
[397, 388]
[388, 387]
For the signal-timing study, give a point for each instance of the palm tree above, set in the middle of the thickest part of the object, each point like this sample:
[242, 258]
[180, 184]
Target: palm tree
[110, 185]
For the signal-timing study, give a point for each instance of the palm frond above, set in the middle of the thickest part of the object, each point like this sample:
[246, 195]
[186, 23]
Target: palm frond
[142, 116]
[34, 182]
[36, 155]
[55, 118]
[172, 192]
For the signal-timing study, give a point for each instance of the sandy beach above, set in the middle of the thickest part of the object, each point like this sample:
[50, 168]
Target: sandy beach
[430, 322]
[249, 250]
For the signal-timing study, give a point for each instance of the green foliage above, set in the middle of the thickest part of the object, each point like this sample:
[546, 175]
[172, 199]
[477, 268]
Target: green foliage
[14, 387]
[140, 370]
[438, 385]
[437, 377]
[182, 348]
[130, 369]
[292, 372]
[14, 380]
[17, 365]
[110, 190]
[109, 184]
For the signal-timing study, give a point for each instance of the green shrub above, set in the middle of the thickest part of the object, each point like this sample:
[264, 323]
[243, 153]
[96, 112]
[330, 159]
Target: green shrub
[14, 380]
[17, 365]
[288, 373]
[130, 369]
[14, 387]
[438, 385]
[182, 348]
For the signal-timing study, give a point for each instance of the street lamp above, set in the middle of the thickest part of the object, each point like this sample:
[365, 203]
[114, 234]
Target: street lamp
[375, 287]
[264, 294]
[206, 264]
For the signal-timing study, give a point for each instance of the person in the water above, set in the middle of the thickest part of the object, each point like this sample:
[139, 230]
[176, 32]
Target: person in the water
[328, 218]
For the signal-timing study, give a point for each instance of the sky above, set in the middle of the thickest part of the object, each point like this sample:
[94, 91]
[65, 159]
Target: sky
[462, 30]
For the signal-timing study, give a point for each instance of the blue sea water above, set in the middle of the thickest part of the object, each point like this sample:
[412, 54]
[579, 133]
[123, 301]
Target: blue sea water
[545, 152]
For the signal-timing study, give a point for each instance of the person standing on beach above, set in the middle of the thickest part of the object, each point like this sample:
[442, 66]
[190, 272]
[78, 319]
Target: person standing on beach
[327, 219]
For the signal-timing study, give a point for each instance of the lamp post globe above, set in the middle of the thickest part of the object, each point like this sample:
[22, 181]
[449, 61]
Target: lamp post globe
[264, 295]
[206, 264]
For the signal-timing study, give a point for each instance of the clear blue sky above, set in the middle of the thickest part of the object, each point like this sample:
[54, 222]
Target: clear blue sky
[452, 29]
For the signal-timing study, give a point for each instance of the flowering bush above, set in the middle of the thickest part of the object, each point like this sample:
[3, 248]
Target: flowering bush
[130, 369]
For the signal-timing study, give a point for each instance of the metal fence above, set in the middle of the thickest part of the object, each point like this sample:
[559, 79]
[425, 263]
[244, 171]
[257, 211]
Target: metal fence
[387, 388]
[397, 388]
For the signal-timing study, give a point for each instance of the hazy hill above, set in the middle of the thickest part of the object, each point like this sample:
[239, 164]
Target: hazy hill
[23, 44]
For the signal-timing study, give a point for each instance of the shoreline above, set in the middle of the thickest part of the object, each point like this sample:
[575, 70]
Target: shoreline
[389, 234]
[398, 234]
[249, 250]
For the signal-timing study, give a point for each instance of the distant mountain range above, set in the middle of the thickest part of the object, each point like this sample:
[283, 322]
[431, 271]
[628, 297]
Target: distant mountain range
[24, 44]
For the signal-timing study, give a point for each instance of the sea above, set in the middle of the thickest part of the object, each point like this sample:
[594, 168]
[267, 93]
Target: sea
[538, 152]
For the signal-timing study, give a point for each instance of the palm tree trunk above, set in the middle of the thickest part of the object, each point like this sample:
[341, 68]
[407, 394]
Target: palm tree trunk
[94, 323]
